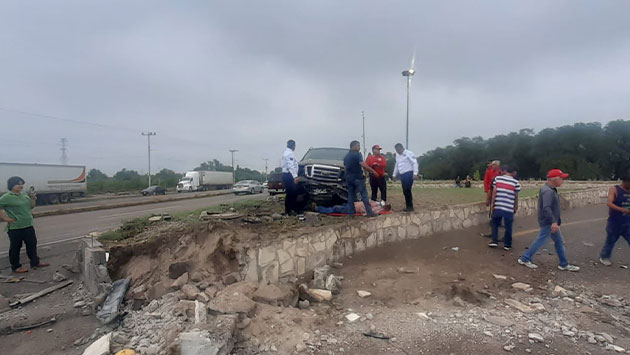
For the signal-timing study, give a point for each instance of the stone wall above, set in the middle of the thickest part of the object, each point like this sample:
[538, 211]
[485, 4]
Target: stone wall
[296, 255]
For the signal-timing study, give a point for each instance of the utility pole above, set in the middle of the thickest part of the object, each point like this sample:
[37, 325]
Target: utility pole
[149, 134]
[266, 160]
[233, 170]
[64, 150]
[364, 147]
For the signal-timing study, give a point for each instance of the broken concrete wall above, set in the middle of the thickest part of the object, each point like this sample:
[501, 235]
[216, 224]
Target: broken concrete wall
[91, 262]
[297, 255]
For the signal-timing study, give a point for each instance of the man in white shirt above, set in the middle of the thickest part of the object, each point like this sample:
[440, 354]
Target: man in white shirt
[407, 169]
[290, 179]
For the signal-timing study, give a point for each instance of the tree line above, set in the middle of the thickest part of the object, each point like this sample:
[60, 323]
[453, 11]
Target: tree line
[587, 151]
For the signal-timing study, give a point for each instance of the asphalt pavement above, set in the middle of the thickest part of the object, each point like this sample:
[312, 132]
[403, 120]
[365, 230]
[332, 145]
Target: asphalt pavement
[62, 228]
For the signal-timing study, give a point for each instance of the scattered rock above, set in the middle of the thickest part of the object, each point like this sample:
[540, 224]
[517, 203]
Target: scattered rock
[499, 277]
[232, 278]
[320, 295]
[487, 333]
[497, 320]
[244, 323]
[276, 216]
[139, 293]
[364, 294]
[218, 340]
[304, 304]
[610, 301]
[230, 303]
[337, 265]
[175, 270]
[522, 286]
[459, 302]
[455, 248]
[275, 295]
[616, 348]
[609, 339]
[519, 306]
[190, 291]
[333, 284]
[201, 313]
[58, 277]
[99, 347]
[509, 347]
[352, 317]
[300, 347]
[211, 291]
[181, 281]
[423, 316]
[536, 337]
[537, 307]
[559, 291]
[79, 304]
[320, 275]
[4, 302]
[408, 269]
[203, 297]
[196, 276]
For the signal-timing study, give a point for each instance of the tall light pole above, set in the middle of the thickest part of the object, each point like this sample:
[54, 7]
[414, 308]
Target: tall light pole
[266, 161]
[149, 134]
[408, 73]
[364, 147]
[233, 170]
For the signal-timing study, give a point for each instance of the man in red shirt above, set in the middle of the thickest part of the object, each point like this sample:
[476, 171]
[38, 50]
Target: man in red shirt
[493, 170]
[378, 181]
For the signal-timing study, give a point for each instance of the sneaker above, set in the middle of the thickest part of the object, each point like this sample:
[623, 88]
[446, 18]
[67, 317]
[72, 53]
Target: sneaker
[507, 248]
[493, 245]
[528, 264]
[569, 267]
[382, 203]
[605, 262]
[408, 209]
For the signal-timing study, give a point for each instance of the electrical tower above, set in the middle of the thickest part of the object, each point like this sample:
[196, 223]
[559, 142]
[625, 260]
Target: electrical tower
[64, 151]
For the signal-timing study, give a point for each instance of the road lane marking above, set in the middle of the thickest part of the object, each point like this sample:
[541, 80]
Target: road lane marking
[536, 230]
[142, 211]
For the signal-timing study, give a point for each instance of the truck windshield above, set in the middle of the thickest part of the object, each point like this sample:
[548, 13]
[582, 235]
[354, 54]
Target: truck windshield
[326, 154]
[186, 179]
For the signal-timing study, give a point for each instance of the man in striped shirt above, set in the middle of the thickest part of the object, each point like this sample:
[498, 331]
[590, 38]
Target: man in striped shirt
[504, 204]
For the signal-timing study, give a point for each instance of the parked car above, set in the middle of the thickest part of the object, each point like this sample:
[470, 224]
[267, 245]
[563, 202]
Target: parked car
[247, 187]
[266, 184]
[322, 176]
[153, 190]
[275, 184]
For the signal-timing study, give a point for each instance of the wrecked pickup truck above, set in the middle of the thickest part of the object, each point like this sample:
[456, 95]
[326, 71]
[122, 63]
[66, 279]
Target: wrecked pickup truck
[322, 176]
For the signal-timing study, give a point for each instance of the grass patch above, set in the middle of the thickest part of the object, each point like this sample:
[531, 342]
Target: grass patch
[127, 229]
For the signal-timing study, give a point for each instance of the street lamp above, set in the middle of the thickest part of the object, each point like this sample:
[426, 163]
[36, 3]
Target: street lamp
[408, 73]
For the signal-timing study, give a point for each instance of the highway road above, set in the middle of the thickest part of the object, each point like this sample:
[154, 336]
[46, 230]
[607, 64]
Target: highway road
[62, 228]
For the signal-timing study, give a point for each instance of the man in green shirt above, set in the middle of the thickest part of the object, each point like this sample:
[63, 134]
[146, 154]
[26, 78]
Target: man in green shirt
[15, 209]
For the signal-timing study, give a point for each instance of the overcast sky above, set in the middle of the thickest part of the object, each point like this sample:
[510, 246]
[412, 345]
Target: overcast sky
[209, 76]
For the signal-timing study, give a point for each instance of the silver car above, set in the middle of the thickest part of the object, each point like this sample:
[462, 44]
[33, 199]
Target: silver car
[247, 187]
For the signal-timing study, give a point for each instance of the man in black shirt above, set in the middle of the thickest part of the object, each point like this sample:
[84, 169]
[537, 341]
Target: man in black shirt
[355, 180]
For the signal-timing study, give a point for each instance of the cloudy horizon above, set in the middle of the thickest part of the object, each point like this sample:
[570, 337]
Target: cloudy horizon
[209, 77]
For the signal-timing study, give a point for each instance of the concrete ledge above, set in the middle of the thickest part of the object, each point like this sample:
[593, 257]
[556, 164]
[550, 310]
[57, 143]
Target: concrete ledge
[91, 262]
[296, 255]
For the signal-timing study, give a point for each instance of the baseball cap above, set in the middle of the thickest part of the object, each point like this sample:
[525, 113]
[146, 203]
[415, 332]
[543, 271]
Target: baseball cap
[376, 146]
[555, 173]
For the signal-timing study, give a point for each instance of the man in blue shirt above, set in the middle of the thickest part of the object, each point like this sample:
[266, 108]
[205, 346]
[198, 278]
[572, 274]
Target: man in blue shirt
[355, 180]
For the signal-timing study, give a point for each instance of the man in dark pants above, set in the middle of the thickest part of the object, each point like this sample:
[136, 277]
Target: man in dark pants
[378, 181]
[407, 169]
[290, 179]
[355, 180]
[618, 218]
[15, 209]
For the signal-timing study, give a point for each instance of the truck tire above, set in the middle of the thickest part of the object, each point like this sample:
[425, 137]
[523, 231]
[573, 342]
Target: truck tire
[252, 191]
[53, 199]
[190, 189]
[64, 198]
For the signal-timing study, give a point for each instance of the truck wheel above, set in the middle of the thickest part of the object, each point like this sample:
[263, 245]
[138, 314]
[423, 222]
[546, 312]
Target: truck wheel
[53, 199]
[251, 191]
[190, 189]
[64, 198]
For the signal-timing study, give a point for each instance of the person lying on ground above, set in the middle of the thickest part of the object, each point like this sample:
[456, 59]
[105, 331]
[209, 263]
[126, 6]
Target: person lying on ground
[358, 208]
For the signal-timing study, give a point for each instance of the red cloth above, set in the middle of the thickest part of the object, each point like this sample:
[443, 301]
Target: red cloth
[489, 178]
[378, 163]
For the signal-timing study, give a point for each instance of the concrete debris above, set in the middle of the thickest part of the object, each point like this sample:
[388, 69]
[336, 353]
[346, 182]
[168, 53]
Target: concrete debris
[423, 316]
[190, 291]
[522, 286]
[500, 321]
[408, 269]
[333, 284]
[610, 301]
[219, 340]
[616, 348]
[139, 293]
[320, 295]
[232, 278]
[275, 295]
[455, 248]
[244, 323]
[499, 277]
[352, 317]
[607, 337]
[509, 347]
[536, 337]
[201, 313]
[320, 275]
[519, 306]
[559, 291]
[489, 334]
[364, 294]
[99, 347]
[79, 304]
[195, 276]
[177, 269]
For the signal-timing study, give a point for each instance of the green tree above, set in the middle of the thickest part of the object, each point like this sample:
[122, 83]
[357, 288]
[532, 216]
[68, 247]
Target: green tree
[96, 175]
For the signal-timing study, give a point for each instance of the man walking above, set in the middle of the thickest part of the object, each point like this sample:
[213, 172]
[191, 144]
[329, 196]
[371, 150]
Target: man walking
[378, 181]
[549, 221]
[618, 218]
[355, 180]
[290, 179]
[15, 210]
[504, 204]
[407, 168]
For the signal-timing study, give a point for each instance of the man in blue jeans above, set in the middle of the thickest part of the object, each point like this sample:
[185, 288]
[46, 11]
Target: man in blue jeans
[406, 169]
[618, 218]
[549, 221]
[355, 180]
[504, 204]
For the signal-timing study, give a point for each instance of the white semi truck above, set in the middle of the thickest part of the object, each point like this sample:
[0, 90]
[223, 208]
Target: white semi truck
[205, 180]
[52, 183]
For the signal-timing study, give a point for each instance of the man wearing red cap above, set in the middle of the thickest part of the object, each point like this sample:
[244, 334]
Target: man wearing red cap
[378, 181]
[549, 221]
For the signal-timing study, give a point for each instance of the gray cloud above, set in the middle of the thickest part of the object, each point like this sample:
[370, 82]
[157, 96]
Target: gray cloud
[208, 77]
